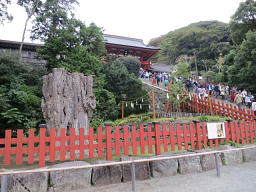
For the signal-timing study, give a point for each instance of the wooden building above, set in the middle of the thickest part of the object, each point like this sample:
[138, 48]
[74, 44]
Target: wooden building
[123, 46]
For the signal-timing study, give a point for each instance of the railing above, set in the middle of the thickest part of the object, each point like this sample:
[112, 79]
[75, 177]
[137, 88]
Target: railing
[117, 141]
[220, 108]
[4, 174]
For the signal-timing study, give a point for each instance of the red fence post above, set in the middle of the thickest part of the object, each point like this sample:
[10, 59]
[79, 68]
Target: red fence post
[198, 134]
[178, 134]
[91, 145]
[227, 130]
[100, 144]
[134, 140]
[7, 147]
[109, 141]
[117, 138]
[197, 110]
[192, 140]
[142, 140]
[31, 141]
[19, 147]
[72, 140]
[42, 147]
[157, 138]
[62, 144]
[126, 141]
[81, 143]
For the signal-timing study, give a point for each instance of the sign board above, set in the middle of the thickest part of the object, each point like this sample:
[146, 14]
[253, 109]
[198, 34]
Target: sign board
[216, 130]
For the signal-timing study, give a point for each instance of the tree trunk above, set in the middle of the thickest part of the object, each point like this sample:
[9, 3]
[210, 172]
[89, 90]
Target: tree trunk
[23, 37]
[68, 100]
[25, 27]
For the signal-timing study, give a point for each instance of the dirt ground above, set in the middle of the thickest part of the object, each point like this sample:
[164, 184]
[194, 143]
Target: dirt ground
[236, 178]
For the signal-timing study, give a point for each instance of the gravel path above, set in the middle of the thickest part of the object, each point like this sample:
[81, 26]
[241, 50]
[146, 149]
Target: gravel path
[237, 178]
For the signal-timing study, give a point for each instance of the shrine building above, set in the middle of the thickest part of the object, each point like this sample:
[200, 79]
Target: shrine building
[123, 46]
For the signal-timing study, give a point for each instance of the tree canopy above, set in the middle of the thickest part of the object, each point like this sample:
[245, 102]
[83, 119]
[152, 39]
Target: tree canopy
[207, 39]
[243, 20]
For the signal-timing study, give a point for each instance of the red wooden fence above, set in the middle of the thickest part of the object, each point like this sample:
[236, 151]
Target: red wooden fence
[115, 141]
[220, 108]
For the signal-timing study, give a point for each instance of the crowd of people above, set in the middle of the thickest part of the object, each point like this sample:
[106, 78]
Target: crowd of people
[161, 77]
[219, 91]
[239, 97]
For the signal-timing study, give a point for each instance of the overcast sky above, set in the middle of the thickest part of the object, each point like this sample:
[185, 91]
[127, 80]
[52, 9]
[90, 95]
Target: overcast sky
[143, 19]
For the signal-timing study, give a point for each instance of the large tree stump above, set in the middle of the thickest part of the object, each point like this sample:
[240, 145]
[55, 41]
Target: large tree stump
[68, 100]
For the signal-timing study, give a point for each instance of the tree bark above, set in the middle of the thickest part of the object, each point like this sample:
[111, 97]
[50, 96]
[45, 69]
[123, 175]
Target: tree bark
[68, 100]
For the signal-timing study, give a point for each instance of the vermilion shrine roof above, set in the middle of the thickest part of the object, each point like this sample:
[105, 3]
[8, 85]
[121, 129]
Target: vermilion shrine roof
[126, 41]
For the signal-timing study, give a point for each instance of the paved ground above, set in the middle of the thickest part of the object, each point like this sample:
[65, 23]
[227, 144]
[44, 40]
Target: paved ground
[238, 178]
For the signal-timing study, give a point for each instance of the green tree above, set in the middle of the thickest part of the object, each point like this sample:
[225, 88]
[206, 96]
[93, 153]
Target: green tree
[120, 82]
[20, 95]
[243, 20]
[51, 17]
[4, 15]
[131, 63]
[183, 71]
[210, 76]
[243, 72]
[176, 98]
[220, 62]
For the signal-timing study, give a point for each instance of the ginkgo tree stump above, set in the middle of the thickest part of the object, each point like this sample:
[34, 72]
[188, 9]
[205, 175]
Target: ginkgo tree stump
[68, 100]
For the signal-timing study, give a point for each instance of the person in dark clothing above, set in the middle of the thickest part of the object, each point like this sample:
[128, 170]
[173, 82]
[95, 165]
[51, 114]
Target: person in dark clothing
[217, 90]
[158, 79]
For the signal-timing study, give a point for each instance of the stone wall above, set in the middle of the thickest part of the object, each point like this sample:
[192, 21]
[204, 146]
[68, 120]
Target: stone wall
[28, 56]
[62, 181]
[160, 97]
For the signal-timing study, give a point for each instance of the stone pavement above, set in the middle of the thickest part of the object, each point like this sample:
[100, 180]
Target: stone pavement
[236, 178]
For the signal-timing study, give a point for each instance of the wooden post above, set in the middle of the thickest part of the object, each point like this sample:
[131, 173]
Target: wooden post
[198, 134]
[122, 110]
[108, 141]
[157, 138]
[210, 103]
[153, 105]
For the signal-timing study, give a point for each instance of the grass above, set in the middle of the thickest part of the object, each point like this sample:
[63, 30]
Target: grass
[146, 118]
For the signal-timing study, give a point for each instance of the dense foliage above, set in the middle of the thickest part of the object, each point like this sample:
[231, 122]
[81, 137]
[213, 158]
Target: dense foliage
[240, 63]
[20, 95]
[131, 63]
[205, 39]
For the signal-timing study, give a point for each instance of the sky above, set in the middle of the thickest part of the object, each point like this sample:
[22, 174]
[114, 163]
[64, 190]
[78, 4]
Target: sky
[142, 19]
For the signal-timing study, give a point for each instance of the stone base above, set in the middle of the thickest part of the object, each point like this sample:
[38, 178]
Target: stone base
[208, 161]
[68, 180]
[189, 165]
[27, 182]
[106, 175]
[164, 168]
[232, 157]
[142, 170]
[249, 154]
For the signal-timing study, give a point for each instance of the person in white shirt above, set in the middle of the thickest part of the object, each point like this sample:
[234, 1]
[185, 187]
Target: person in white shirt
[248, 99]
[254, 106]
[244, 94]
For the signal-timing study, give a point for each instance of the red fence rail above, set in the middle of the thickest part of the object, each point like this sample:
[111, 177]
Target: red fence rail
[117, 141]
[220, 108]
